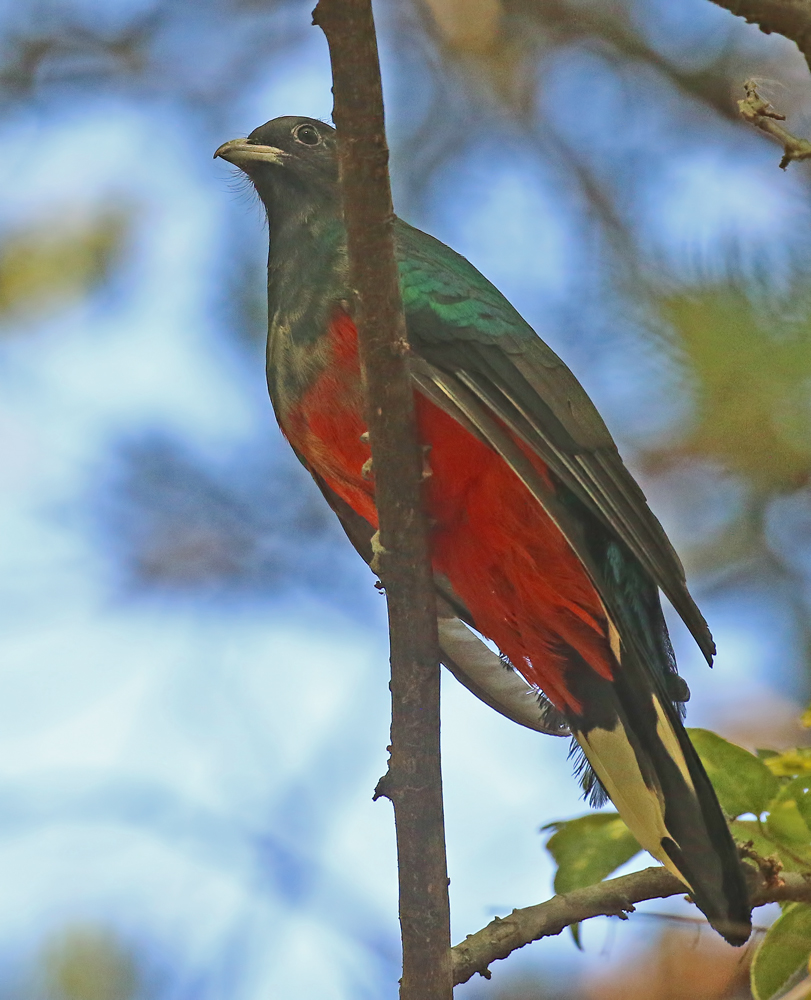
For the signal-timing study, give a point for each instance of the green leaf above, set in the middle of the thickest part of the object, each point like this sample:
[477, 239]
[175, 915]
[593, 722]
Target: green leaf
[783, 955]
[786, 824]
[589, 848]
[789, 818]
[742, 782]
[745, 830]
[800, 791]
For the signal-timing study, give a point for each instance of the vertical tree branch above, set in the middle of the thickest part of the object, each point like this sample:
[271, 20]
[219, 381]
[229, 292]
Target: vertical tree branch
[413, 782]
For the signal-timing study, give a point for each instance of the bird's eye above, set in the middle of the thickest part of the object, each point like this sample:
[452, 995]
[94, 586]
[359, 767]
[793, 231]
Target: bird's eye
[308, 134]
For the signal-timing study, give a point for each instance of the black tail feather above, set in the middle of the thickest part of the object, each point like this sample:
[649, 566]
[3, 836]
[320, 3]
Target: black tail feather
[634, 740]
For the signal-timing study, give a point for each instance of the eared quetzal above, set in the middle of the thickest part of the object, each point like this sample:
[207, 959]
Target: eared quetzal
[540, 538]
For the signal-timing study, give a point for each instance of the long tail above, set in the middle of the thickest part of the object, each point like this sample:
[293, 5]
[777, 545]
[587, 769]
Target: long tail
[639, 750]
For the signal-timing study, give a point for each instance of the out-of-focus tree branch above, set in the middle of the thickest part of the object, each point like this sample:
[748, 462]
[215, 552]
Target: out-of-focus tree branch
[616, 898]
[516, 33]
[791, 18]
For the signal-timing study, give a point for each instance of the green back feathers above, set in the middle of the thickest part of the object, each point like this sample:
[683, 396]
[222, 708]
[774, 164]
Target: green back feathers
[452, 300]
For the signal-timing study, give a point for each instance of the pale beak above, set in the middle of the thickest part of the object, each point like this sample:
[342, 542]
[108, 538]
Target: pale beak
[243, 154]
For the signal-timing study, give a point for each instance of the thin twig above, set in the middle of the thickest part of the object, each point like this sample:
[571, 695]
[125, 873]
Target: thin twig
[413, 782]
[616, 897]
[802, 991]
[758, 112]
[679, 918]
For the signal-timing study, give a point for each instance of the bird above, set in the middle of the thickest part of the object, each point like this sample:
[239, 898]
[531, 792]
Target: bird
[540, 538]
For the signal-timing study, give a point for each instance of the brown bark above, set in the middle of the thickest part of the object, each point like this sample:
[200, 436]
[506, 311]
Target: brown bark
[615, 897]
[413, 782]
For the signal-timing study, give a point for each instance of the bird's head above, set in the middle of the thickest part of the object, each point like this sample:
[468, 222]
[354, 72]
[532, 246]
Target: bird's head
[289, 161]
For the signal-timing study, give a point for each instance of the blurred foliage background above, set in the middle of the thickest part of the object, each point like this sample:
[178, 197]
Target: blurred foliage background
[193, 663]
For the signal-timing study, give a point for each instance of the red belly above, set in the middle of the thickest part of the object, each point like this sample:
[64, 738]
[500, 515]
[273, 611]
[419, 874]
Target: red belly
[504, 557]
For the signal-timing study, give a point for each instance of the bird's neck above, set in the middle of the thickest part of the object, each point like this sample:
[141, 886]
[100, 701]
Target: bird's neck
[306, 262]
[307, 282]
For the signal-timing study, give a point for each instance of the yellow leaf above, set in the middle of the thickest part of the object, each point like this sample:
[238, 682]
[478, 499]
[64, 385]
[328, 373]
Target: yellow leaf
[50, 265]
[790, 763]
[87, 963]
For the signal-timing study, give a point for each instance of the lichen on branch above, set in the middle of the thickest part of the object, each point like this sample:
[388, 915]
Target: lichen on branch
[758, 112]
